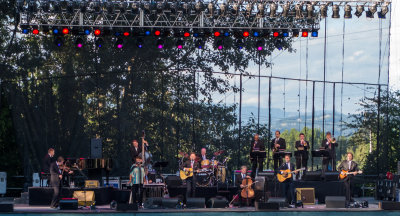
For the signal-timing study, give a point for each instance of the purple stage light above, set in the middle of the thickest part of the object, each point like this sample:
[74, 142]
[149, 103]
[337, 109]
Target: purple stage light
[160, 46]
[119, 46]
[220, 47]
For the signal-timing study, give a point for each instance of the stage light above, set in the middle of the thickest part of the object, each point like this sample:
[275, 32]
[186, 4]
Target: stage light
[65, 31]
[119, 43]
[96, 7]
[347, 11]
[220, 45]
[70, 7]
[79, 42]
[323, 10]
[222, 9]
[299, 11]
[179, 44]
[256, 34]
[186, 8]
[87, 31]
[160, 7]
[285, 9]
[261, 8]
[186, 34]
[246, 34]
[273, 8]
[260, 45]
[147, 33]
[295, 33]
[160, 44]
[275, 34]
[384, 11]
[335, 14]
[157, 33]
[314, 33]
[196, 34]
[279, 44]
[56, 7]
[139, 42]
[35, 31]
[249, 8]
[82, 7]
[310, 11]
[239, 43]
[122, 7]
[199, 43]
[110, 7]
[58, 42]
[217, 34]
[304, 33]
[227, 34]
[235, 9]
[198, 7]
[210, 9]
[371, 11]
[25, 29]
[359, 10]
[135, 8]
[97, 32]
[285, 33]
[99, 42]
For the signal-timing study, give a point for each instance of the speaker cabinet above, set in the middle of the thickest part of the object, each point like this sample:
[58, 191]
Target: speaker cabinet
[217, 202]
[195, 203]
[266, 206]
[127, 207]
[68, 204]
[335, 201]
[173, 181]
[281, 201]
[6, 207]
[171, 203]
[389, 205]
[306, 195]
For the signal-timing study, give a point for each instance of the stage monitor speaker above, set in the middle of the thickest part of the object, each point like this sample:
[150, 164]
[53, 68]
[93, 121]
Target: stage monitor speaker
[69, 204]
[173, 181]
[266, 206]
[280, 200]
[171, 203]
[6, 207]
[335, 202]
[386, 205]
[312, 176]
[330, 176]
[127, 207]
[217, 202]
[85, 198]
[306, 195]
[153, 203]
[96, 148]
[195, 203]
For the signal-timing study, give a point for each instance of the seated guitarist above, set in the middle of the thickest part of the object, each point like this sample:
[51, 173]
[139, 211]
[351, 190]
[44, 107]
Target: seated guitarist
[287, 185]
[350, 166]
[191, 181]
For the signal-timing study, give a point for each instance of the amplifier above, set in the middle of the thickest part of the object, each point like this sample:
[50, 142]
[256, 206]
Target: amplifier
[68, 204]
[85, 198]
[92, 184]
[306, 195]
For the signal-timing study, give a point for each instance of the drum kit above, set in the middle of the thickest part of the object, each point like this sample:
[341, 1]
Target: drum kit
[212, 171]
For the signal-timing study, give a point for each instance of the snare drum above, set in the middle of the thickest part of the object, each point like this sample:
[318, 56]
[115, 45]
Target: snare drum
[205, 163]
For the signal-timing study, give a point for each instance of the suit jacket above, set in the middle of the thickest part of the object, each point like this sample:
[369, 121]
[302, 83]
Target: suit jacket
[134, 152]
[239, 179]
[207, 157]
[281, 142]
[345, 166]
[325, 144]
[187, 164]
[284, 166]
[54, 174]
[46, 162]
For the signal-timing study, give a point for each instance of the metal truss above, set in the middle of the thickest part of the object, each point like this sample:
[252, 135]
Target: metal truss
[228, 14]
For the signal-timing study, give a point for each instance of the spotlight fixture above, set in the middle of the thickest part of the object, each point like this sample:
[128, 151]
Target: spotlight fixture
[314, 33]
[227, 34]
[56, 31]
[135, 8]
[198, 7]
[45, 6]
[99, 42]
[56, 7]
[35, 31]
[359, 10]
[97, 32]
[272, 8]
[261, 8]
[335, 9]
[279, 44]
[160, 43]
[323, 10]
[79, 42]
[299, 11]
[304, 33]
[58, 42]
[246, 34]
[249, 8]
[110, 7]
[65, 31]
[45, 29]
[199, 43]
[186, 34]
[179, 44]
[119, 43]
[371, 11]
[122, 7]
[139, 43]
[235, 9]
[70, 7]
[217, 33]
[82, 7]
[310, 11]
[295, 33]
[347, 11]
[86, 31]
[285, 33]
[210, 9]
[260, 45]
[276, 34]
[256, 34]
[384, 11]
[222, 9]
[285, 9]
[239, 43]
[157, 33]
[219, 44]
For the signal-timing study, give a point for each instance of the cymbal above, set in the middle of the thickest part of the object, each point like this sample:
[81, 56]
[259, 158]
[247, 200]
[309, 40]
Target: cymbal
[218, 152]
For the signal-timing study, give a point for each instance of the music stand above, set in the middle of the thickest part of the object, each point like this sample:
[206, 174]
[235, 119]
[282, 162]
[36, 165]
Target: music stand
[257, 154]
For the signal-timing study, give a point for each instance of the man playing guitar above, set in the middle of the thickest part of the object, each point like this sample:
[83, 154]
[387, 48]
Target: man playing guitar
[278, 144]
[191, 181]
[351, 168]
[287, 185]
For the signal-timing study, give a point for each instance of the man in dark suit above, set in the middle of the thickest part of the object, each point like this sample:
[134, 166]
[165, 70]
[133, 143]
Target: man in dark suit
[191, 181]
[350, 166]
[287, 185]
[302, 147]
[256, 145]
[136, 149]
[329, 144]
[278, 144]
[46, 162]
[203, 156]
[238, 182]
[56, 176]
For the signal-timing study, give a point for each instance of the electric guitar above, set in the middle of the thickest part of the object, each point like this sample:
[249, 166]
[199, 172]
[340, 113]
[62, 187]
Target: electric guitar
[286, 174]
[343, 174]
[186, 173]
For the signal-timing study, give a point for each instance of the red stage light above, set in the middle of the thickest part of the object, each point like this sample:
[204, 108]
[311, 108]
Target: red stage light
[126, 33]
[97, 32]
[157, 33]
[304, 34]
[35, 31]
[65, 31]
[217, 34]
[186, 34]
[276, 34]
[246, 34]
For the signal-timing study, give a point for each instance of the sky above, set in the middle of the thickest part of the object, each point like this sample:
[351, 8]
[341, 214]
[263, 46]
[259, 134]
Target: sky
[366, 57]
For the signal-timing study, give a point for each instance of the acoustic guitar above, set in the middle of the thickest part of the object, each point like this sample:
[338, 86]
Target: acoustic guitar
[286, 174]
[343, 174]
[188, 172]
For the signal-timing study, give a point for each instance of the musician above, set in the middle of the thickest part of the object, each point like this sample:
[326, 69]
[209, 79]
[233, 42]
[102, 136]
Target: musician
[66, 174]
[191, 181]
[302, 146]
[238, 182]
[329, 144]
[278, 144]
[137, 178]
[56, 175]
[46, 162]
[256, 145]
[350, 166]
[203, 155]
[287, 185]
[136, 149]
